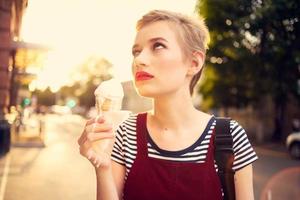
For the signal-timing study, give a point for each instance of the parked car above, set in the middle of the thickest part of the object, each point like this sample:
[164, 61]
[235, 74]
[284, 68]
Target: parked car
[293, 144]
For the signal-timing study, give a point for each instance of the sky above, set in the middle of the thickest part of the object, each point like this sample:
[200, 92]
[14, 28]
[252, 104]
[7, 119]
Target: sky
[75, 29]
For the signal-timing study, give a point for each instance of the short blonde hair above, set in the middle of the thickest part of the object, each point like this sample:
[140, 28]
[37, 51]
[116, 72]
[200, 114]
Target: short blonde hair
[192, 31]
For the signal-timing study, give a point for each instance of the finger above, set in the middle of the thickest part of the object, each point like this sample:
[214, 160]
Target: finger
[98, 165]
[106, 127]
[98, 127]
[99, 119]
[90, 154]
[82, 151]
[86, 150]
[99, 162]
[81, 138]
[91, 137]
[95, 159]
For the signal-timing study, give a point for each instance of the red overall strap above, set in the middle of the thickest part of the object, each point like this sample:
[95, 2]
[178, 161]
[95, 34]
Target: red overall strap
[158, 179]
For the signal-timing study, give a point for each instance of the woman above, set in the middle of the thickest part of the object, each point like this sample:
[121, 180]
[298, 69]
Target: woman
[166, 153]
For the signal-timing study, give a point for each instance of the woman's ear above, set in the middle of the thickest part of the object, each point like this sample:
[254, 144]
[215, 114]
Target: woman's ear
[197, 62]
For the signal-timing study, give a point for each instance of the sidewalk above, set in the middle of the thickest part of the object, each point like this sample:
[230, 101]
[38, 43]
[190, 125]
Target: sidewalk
[275, 146]
[30, 134]
[277, 149]
[33, 172]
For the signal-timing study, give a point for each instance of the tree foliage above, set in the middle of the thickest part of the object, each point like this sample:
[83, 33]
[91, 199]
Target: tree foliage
[254, 51]
[87, 77]
[46, 97]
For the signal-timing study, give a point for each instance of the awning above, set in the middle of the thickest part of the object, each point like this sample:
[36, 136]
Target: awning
[27, 45]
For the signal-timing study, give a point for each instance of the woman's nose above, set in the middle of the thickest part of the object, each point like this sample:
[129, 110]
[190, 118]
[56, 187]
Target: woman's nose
[141, 59]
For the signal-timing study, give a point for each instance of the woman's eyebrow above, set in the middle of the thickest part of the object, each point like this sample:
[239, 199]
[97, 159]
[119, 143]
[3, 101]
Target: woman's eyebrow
[155, 39]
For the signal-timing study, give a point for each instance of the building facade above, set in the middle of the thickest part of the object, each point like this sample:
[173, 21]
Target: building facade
[11, 12]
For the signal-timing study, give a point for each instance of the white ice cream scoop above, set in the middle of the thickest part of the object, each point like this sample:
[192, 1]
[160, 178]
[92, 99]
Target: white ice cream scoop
[109, 96]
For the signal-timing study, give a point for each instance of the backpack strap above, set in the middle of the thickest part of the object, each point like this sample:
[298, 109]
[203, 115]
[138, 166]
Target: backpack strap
[224, 157]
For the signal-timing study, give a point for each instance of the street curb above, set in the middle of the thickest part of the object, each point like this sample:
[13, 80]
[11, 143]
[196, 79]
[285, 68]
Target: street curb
[29, 145]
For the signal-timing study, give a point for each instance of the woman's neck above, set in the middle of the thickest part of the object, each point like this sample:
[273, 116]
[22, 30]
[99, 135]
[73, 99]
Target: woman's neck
[173, 111]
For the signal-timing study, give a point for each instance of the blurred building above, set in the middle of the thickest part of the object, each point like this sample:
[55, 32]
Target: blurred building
[11, 12]
[259, 121]
[15, 56]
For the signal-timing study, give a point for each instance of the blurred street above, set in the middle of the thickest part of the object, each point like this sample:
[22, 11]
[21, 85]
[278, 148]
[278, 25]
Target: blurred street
[57, 171]
[276, 175]
[51, 66]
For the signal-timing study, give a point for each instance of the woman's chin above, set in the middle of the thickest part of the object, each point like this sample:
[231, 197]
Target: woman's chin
[145, 92]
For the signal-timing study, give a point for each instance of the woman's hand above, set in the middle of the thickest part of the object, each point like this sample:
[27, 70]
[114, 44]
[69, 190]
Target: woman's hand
[96, 142]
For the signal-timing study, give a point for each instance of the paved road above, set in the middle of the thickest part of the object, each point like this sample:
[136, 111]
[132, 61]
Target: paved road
[276, 175]
[54, 172]
[57, 171]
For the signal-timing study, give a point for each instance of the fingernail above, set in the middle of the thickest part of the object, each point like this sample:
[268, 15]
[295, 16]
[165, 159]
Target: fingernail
[95, 161]
[89, 154]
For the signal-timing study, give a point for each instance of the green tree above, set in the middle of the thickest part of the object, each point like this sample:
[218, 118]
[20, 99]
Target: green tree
[46, 97]
[254, 52]
[88, 76]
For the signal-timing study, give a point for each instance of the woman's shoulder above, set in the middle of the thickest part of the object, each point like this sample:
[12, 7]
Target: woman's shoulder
[236, 127]
[237, 130]
[244, 153]
[130, 120]
[234, 124]
[128, 125]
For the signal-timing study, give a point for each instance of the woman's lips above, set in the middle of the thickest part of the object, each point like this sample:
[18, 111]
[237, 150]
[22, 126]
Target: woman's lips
[142, 76]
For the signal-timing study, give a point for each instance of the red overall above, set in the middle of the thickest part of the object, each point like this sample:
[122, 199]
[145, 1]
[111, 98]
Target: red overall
[157, 179]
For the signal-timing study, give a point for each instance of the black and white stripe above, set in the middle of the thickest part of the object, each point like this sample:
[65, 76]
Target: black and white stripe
[125, 149]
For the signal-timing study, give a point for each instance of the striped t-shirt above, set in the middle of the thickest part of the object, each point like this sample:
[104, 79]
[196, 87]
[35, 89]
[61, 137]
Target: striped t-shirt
[125, 147]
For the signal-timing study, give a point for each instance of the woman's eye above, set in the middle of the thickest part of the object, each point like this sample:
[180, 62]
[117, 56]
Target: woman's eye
[158, 45]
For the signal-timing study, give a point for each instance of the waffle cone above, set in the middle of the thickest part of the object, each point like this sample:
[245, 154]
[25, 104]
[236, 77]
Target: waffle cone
[106, 105]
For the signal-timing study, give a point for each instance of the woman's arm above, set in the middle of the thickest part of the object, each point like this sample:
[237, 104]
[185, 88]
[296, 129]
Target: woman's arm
[110, 182]
[110, 176]
[106, 188]
[243, 181]
[119, 177]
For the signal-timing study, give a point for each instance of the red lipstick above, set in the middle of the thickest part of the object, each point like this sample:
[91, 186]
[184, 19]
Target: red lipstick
[142, 76]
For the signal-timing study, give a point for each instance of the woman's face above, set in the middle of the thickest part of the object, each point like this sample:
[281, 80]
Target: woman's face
[159, 65]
